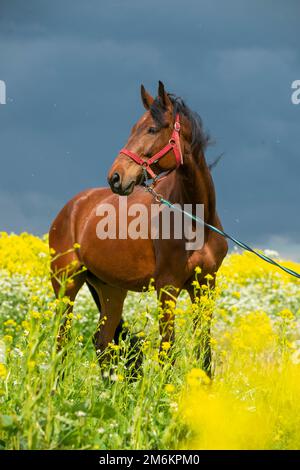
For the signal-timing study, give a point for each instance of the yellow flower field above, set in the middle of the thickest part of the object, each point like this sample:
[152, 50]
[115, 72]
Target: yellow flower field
[252, 402]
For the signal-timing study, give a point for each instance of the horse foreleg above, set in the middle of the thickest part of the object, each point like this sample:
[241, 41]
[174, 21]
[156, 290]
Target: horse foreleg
[111, 300]
[120, 331]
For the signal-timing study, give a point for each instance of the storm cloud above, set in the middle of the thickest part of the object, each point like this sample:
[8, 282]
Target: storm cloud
[73, 71]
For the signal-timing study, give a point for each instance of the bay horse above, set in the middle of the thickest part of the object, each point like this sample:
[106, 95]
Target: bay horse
[170, 131]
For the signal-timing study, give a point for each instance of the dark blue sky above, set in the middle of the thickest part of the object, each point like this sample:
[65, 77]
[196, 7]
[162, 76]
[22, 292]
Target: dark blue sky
[73, 71]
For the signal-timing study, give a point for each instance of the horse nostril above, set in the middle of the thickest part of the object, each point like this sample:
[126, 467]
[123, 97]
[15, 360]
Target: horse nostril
[115, 181]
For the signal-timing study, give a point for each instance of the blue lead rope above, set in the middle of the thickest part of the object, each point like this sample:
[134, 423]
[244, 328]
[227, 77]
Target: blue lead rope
[234, 240]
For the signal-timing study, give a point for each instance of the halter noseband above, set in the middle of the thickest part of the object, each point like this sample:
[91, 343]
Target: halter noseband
[173, 144]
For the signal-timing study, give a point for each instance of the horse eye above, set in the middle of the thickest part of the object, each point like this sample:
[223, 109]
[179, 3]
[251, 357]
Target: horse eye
[152, 130]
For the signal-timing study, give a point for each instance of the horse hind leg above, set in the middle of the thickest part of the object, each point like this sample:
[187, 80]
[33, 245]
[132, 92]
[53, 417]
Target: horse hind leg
[120, 330]
[110, 301]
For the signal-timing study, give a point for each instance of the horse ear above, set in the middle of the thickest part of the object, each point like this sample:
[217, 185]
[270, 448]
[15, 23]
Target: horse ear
[163, 95]
[146, 98]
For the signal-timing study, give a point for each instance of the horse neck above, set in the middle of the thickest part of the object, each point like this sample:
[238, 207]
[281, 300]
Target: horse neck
[194, 184]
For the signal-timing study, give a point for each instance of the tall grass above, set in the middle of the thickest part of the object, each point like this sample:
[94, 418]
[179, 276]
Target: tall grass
[60, 400]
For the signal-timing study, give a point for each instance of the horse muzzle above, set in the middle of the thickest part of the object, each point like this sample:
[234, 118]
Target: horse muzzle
[115, 182]
[123, 176]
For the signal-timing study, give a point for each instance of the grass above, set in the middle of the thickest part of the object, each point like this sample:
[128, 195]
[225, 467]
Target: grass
[252, 402]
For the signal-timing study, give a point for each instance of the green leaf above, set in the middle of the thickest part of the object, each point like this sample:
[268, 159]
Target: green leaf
[7, 421]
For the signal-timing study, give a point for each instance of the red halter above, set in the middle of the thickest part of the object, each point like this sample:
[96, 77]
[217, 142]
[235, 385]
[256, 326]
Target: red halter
[173, 144]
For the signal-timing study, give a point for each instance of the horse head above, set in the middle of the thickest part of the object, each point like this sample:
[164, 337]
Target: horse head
[154, 145]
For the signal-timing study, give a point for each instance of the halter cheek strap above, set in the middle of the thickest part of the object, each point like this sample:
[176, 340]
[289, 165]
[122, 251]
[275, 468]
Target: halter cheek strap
[173, 144]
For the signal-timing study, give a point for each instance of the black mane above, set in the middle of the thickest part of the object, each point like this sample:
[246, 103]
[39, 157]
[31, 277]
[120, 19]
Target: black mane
[200, 139]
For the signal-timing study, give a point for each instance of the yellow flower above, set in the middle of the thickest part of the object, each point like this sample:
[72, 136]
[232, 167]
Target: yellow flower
[3, 371]
[197, 376]
[24, 254]
[162, 354]
[198, 270]
[145, 345]
[8, 339]
[76, 246]
[25, 324]
[151, 287]
[35, 314]
[171, 304]
[31, 365]
[237, 295]
[66, 300]
[166, 345]
[169, 388]
[10, 323]
[48, 314]
[141, 334]
[286, 314]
